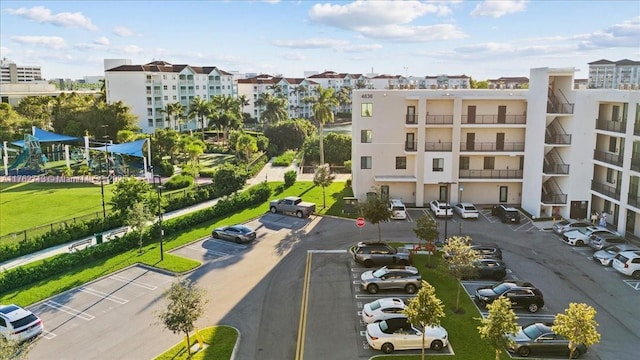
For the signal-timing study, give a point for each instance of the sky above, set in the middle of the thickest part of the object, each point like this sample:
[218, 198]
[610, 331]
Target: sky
[481, 39]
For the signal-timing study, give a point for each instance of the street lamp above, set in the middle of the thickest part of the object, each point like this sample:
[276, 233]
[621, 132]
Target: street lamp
[159, 187]
[446, 213]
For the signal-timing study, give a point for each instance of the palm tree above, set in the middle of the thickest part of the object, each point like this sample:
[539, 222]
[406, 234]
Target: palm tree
[174, 110]
[225, 113]
[275, 108]
[243, 101]
[200, 109]
[322, 105]
[344, 97]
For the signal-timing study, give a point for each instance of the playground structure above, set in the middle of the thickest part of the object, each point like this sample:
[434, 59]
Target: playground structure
[31, 160]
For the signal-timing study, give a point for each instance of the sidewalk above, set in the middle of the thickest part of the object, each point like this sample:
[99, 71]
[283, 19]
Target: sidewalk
[268, 173]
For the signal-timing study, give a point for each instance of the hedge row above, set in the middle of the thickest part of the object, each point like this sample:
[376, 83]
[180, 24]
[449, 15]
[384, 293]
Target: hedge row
[25, 275]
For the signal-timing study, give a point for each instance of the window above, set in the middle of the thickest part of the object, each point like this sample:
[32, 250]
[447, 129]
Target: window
[148, 101]
[401, 162]
[489, 163]
[365, 136]
[197, 87]
[165, 87]
[166, 97]
[150, 122]
[365, 162]
[612, 144]
[610, 176]
[173, 87]
[367, 110]
[149, 112]
[464, 163]
[438, 165]
[503, 193]
[164, 77]
[175, 97]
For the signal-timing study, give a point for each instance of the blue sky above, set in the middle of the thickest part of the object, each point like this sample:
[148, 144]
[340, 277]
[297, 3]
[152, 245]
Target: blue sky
[482, 39]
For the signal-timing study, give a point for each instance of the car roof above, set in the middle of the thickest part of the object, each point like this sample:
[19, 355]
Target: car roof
[372, 243]
[517, 283]
[13, 312]
[410, 269]
[386, 302]
[630, 254]
[609, 236]
[623, 247]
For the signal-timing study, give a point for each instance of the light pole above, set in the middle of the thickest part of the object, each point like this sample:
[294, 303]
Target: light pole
[446, 213]
[159, 187]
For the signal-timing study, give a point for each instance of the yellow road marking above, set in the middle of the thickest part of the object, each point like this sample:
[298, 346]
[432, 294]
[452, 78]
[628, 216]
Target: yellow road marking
[302, 327]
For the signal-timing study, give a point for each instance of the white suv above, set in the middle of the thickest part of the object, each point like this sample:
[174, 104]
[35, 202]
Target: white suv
[19, 324]
[628, 263]
[441, 208]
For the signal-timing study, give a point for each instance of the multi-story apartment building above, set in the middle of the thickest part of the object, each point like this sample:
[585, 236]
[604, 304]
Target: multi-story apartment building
[447, 82]
[10, 73]
[292, 89]
[550, 149]
[622, 74]
[148, 88]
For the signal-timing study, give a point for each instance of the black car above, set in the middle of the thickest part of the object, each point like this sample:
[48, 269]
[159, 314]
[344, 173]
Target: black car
[521, 294]
[488, 251]
[490, 269]
[539, 339]
[380, 253]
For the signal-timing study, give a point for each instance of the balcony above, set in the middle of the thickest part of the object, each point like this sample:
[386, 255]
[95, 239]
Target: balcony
[556, 169]
[609, 158]
[494, 119]
[635, 163]
[608, 125]
[184, 82]
[411, 146]
[490, 174]
[438, 146]
[554, 199]
[557, 139]
[492, 146]
[605, 189]
[560, 108]
[440, 119]
[411, 119]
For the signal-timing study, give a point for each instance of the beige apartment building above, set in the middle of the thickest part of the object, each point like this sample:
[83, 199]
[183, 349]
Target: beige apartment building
[549, 149]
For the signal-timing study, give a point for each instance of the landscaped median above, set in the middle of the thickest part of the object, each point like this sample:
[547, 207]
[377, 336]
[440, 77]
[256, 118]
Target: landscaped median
[218, 344]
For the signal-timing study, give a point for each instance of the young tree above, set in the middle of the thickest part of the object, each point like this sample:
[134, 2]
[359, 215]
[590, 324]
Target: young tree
[500, 322]
[323, 178]
[460, 258]
[425, 310]
[185, 304]
[127, 193]
[376, 210]
[577, 325]
[138, 216]
[427, 230]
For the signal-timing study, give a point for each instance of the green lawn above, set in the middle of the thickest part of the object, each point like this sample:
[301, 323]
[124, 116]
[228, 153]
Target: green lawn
[219, 342]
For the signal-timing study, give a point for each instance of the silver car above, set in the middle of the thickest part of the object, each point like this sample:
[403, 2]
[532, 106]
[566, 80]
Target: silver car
[236, 233]
[391, 277]
[605, 256]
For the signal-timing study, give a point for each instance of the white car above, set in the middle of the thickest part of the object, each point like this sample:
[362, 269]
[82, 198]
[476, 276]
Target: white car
[628, 263]
[605, 256]
[466, 210]
[441, 209]
[382, 309]
[19, 324]
[398, 334]
[565, 225]
[581, 237]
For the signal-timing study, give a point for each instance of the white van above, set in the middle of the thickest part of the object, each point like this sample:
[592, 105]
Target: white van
[398, 210]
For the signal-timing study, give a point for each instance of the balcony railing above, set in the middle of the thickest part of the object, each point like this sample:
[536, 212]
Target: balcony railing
[608, 125]
[492, 146]
[605, 189]
[554, 199]
[635, 163]
[633, 200]
[494, 119]
[438, 146]
[558, 169]
[439, 119]
[410, 146]
[560, 108]
[490, 174]
[558, 139]
[610, 158]
[411, 119]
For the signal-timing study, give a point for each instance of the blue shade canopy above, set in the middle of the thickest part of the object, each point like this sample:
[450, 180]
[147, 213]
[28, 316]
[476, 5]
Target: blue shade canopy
[44, 136]
[131, 148]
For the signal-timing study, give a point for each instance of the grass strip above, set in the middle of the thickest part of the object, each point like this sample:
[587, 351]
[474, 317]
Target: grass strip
[219, 341]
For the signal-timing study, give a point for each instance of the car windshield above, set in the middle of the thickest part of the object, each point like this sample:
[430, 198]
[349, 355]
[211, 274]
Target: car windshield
[470, 208]
[585, 231]
[563, 222]
[397, 208]
[380, 272]
[384, 326]
[532, 331]
[501, 288]
[375, 305]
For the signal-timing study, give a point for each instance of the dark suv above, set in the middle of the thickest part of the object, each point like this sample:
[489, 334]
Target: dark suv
[506, 214]
[379, 253]
[521, 294]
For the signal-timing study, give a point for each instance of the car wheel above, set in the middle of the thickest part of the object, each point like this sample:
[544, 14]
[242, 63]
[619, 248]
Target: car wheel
[636, 274]
[410, 289]
[387, 348]
[238, 240]
[273, 210]
[215, 235]
[436, 345]
[533, 307]
[524, 351]
[372, 289]
[576, 354]
[580, 243]
[368, 263]
[299, 214]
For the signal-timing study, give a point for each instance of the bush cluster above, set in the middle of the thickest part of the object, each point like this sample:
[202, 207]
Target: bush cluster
[290, 178]
[179, 182]
[285, 159]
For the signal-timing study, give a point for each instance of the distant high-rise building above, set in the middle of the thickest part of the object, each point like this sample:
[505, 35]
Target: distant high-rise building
[14, 74]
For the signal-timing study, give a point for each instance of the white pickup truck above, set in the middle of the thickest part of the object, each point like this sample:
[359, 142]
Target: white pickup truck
[292, 205]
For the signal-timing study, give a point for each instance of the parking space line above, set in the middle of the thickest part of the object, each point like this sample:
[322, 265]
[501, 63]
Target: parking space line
[208, 251]
[133, 282]
[48, 335]
[69, 310]
[104, 295]
[633, 283]
[226, 243]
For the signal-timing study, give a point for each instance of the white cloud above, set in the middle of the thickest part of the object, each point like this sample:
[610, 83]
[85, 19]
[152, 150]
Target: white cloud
[123, 31]
[619, 35]
[44, 16]
[361, 48]
[499, 8]
[132, 49]
[103, 41]
[4, 51]
[294, 56]
[54, 42]
[311, 43]
[399, 33]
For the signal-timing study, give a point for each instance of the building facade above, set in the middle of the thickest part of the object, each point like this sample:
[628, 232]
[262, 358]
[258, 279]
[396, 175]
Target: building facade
[292, 89]
[550, 149]
[10, 73]
[622, 74]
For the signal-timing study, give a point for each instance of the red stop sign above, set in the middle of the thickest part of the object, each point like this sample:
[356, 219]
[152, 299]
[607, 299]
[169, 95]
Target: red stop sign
[360, 222]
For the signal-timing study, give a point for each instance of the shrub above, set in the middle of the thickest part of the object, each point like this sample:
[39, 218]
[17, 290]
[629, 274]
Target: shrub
[207, 173]
[285, 159]
[347, 166]
[178, 182]
[165, 169]
[290, 178]
[348, 182]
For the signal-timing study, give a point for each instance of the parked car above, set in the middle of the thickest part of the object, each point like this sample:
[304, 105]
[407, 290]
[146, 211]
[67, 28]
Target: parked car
[490, 269]
[581, 237]
[538, 339]
[483, 251]
[399, 334]
[466, 210]
[562, 226]
[606, 255]
[391, 277]
[628, 263]
[18, 324]
[506, 214]
[292, 205]
[398, 209]
[382, 309]
[521, 294]
[237, 233]
[440, 208]
[600, 241]
[378, 253]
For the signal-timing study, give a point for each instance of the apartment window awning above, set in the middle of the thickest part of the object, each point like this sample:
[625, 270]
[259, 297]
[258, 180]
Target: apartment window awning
[394, 178]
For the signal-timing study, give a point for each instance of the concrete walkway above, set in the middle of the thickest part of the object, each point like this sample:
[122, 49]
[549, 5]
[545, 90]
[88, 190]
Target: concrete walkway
[268, 173]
